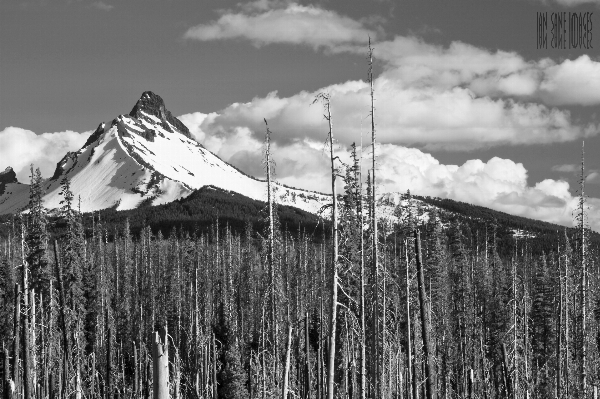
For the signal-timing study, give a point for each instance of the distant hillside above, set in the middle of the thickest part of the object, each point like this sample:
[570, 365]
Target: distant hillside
[543, 236]
[201, 209]
[197, 212]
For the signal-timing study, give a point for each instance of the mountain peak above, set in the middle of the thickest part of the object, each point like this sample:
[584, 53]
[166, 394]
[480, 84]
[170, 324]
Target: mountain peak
[8, 176]
[152, 104]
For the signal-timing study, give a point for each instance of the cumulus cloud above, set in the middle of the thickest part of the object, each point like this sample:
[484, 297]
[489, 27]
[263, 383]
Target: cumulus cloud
[267, 22]
[496, 74]
[572, 82]
[20, 147]
[452, 119]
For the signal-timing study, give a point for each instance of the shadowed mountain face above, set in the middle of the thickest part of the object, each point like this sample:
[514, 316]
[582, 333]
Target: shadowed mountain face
[7, 177]
[148, 157]
[152, 104]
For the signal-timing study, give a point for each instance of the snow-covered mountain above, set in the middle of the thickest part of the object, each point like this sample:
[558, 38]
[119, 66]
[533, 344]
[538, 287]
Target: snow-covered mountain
[147, 155]
[12, 193]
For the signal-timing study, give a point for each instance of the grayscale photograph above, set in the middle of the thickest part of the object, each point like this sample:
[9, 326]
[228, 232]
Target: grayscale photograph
[299, 199]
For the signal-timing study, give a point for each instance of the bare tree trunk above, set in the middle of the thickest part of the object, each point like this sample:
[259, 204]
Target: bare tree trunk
[136, 373]
[263, 367]
[363, 338]
[78, 387]
[63, 319]
[26, 319]
[559, 324]
[411, 386]
[176, 376]
[334, 260]
[584, 258]
[214, 367]
[286, 372]
[506, 372]
[430, 380]
[161, 364]
[8, 383]
[567, 337]
[307, 353]
[375, 234]
[16, 338]
[471, 384]
[109, 361]
[271, 248]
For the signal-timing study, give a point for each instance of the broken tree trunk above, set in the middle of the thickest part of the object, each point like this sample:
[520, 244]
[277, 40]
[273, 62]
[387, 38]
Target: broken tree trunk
[160, 359]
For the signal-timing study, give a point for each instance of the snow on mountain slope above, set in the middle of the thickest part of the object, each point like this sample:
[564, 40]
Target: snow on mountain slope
[12, 193]
[148, 155]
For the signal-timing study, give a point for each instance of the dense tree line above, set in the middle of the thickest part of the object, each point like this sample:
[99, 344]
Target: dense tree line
[499, 327]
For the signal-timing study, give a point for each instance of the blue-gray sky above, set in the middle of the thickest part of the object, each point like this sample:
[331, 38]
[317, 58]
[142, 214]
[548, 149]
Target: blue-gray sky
[460, 80]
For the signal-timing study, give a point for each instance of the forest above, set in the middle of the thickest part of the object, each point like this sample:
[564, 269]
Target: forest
[409, 307]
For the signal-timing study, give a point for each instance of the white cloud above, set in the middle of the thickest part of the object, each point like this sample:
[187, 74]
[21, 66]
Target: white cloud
[100, 5]
[572, 82]
[450, 119]
[566, 168]
[593, 177]
[497, 74]
[20, 147]
[267, 22]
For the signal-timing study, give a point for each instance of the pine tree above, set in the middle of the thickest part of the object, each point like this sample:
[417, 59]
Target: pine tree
[543, 327]
[37, 236]
[232, 378]
[72, 249]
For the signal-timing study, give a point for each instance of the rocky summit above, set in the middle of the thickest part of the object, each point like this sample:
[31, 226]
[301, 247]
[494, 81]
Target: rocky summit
[152, 104]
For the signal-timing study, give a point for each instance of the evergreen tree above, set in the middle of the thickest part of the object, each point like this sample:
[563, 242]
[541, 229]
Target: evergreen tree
[543, 328]
[37, 236]
[72, 249]
[232, 378]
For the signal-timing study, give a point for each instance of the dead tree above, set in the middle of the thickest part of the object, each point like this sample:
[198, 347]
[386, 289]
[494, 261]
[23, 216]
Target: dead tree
[582, 225]
[326, 100]
[286, 371]
[375, 246]
[160, 359]
[430, 380]
[271, 246]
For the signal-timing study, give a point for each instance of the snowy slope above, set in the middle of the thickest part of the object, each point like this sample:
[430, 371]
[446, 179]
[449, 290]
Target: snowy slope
[148, 155]
[12, 193]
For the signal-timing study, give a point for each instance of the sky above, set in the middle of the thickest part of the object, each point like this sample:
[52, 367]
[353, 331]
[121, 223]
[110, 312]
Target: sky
[467, 106]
